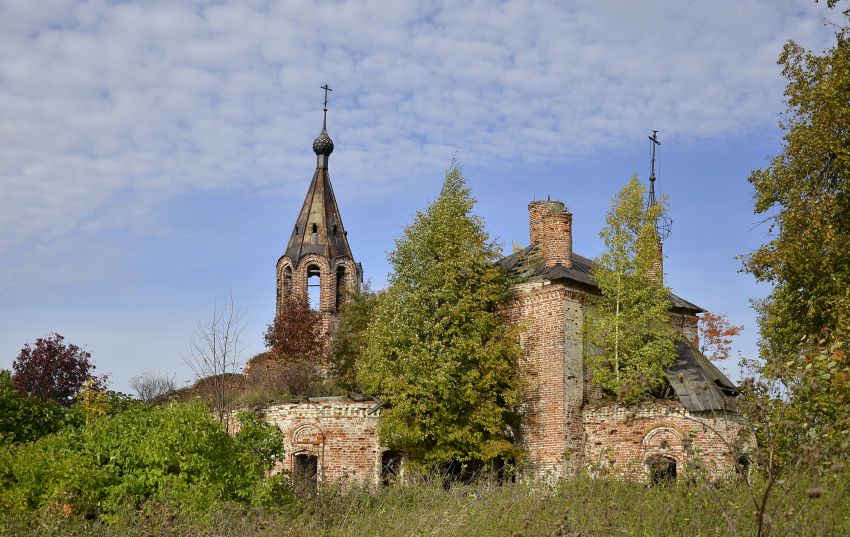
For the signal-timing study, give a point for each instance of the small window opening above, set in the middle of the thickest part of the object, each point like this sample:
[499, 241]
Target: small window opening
[287, 281]
[390, 466]
[340, 287]
[661, 469]
[306, 470]
[296, 229]
[335, 229]
[314, 237]
[314, 287]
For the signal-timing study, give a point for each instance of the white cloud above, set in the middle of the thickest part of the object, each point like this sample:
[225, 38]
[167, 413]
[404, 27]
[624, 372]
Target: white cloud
[110, 108]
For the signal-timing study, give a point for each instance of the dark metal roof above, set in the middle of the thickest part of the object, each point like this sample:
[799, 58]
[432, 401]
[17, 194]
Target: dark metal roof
[527, 262]
[319, 210]
[698, 384]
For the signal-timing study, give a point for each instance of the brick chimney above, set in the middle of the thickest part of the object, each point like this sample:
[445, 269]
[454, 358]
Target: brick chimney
[656, 271]
[536, 211]
[558, 238]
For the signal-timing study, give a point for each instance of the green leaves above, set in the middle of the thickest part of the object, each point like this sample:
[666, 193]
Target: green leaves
[437, 350]
[178, 453]
[805, 193]
[24, 418]
[629, 339]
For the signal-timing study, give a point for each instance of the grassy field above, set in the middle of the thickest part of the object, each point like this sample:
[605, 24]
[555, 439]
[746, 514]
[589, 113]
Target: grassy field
[577, 507]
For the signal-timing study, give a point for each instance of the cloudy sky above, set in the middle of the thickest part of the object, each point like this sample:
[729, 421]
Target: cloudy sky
[153, 155]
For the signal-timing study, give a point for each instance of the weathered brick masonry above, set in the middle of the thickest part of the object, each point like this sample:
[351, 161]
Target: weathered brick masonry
[340, 432]
[624, 441]
[567, 425]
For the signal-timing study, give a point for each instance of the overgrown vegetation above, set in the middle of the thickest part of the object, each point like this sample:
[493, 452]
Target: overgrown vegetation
[350, 342]
[571, 508]
[177, 453]
[805, 195]
[629, 338]
[438, 352]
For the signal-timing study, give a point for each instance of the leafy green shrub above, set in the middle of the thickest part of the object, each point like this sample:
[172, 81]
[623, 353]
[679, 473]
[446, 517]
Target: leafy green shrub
[177, 453]
[24, 418]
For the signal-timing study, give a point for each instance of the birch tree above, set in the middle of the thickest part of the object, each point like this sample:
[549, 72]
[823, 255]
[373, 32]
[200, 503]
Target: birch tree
[629, 338]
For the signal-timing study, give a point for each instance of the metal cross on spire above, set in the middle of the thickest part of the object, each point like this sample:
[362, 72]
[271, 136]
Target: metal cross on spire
[664, 223]
[652, 145]
[325, 108]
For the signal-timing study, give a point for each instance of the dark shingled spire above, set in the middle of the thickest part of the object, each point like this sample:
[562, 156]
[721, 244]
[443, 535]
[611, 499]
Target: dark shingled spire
[318, 229]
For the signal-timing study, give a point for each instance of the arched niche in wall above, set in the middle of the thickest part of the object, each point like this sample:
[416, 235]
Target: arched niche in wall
[287, 281]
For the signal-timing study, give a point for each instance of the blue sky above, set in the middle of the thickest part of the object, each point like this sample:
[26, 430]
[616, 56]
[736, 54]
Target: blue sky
[153, 155]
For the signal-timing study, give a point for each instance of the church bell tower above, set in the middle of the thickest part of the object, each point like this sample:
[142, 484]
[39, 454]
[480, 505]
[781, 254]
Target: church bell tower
[318, 265]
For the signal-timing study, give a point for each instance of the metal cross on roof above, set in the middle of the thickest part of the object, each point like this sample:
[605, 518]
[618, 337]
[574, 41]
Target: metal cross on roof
[664, 223]
[327, 89]
[653, 142]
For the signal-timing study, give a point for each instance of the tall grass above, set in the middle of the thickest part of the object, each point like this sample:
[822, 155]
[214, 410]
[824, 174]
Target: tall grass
[580, 506]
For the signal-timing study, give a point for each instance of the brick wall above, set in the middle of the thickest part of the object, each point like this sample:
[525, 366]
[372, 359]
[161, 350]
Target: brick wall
[341, 432]
[621, 440]
[539, 310]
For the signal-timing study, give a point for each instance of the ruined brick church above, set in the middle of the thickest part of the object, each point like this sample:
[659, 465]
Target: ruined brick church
[567, 423]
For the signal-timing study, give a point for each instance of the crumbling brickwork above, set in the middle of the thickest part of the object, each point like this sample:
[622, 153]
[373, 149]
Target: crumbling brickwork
[623, 441]
[340, 432]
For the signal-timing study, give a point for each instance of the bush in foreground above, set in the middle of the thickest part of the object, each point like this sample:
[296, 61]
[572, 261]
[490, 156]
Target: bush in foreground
[177, 453]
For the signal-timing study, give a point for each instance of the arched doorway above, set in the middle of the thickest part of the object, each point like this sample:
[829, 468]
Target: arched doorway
[390, 466]
[305, 470]
[661, 469]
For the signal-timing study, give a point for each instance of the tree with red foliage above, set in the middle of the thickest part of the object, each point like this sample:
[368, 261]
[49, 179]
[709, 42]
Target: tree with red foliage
[53, 370]
[297, 347]
[715, 335]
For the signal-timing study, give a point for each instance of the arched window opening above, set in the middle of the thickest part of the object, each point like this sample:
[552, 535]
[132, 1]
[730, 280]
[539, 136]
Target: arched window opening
[661, 469]
[390, 466]
[314, 236]
[340, 287]
[287, 281]
[305, 471]
[314, 287]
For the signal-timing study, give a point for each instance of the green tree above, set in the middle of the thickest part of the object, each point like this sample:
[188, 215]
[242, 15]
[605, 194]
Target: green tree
[805, 195]
[438, 351]
[349, 344]
[630, 340]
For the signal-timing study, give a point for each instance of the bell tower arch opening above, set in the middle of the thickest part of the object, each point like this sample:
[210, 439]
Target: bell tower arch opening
[340, 289]
[314, 287]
